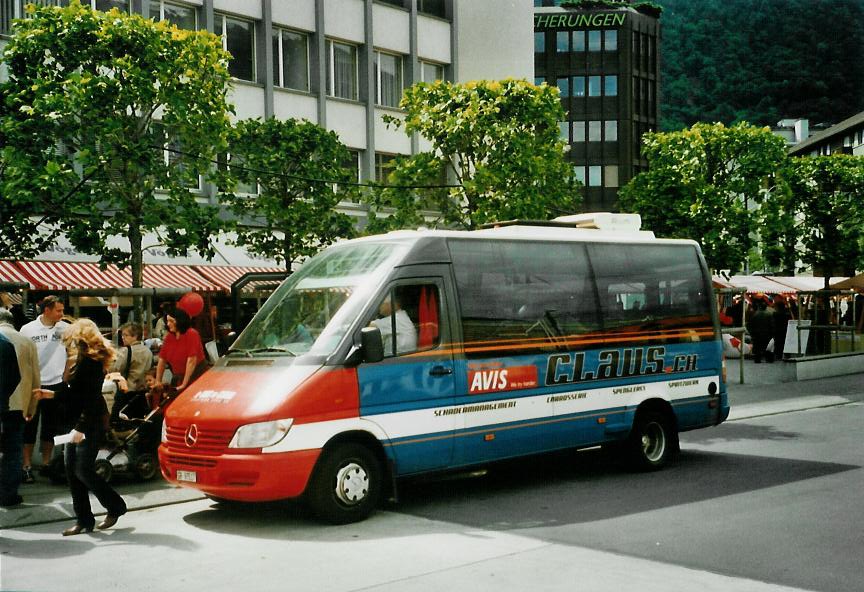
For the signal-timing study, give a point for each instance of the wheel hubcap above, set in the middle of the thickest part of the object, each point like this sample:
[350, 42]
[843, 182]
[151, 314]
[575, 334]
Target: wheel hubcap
[653, 442]
[352, 484]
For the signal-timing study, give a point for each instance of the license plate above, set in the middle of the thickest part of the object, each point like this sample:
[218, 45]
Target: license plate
[190, 476]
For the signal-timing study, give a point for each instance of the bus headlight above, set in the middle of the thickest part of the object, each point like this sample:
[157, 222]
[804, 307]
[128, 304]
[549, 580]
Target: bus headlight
[260, 435]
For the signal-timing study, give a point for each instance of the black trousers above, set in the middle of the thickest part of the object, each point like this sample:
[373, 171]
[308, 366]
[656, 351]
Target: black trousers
[81, 473]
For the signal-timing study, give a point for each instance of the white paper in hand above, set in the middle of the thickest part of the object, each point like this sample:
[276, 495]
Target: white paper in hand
[65, 439]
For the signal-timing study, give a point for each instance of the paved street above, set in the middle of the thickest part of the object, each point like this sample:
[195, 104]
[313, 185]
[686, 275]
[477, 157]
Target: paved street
[767, 502]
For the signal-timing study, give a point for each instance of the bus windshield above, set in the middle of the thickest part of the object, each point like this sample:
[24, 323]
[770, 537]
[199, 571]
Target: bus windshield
[315, 307]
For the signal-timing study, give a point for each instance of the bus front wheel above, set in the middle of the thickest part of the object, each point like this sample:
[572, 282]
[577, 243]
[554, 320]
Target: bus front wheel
[652, 442]
[346, 485]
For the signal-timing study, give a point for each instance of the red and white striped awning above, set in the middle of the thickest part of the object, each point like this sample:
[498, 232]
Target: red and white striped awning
[57, 275]
[177, 276]
[225, 275]
[9, 272]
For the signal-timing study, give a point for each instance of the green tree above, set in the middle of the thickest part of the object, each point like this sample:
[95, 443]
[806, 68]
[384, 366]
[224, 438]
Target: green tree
[827, 194]
[706, 183]
[498, 140]
[294, 174]
[109, 120]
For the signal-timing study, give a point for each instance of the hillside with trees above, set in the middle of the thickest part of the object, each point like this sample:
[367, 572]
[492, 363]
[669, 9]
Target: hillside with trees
[761, 61]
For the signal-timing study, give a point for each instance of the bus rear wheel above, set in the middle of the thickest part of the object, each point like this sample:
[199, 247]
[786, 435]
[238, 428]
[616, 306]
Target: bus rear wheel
[652, 442]
[346, 485]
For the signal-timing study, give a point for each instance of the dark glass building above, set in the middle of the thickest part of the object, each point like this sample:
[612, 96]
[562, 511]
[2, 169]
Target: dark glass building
[606, 63]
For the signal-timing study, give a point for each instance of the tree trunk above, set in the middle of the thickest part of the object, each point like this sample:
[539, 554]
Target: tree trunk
[137, 265]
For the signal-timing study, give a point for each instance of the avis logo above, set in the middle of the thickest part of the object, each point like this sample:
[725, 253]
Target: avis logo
[485, 381]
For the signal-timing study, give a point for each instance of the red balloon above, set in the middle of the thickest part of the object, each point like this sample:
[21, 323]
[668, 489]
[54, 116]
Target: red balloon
[192, 303]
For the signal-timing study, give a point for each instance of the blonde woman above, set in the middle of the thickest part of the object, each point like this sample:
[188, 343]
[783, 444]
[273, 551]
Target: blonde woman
[81, 397]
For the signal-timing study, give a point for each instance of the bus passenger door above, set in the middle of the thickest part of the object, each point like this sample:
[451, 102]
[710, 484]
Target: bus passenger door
[410, 393]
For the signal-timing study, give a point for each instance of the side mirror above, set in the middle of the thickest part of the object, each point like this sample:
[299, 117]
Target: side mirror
[372, 344]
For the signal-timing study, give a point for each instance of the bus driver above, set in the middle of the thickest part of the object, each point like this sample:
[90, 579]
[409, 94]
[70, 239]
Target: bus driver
[406, 333]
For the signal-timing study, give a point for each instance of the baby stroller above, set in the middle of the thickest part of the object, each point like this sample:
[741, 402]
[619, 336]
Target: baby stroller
[135, 435]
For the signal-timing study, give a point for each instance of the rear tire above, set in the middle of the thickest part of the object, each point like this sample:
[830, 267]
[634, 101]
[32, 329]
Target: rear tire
[146, 466]
[652, 442]
[346, 485]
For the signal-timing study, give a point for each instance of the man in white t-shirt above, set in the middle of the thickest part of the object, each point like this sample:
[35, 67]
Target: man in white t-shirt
[47, 333]
[406, 333]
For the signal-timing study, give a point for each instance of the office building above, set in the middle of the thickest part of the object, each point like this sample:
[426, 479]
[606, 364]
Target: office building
[606, 63]
[343, 64]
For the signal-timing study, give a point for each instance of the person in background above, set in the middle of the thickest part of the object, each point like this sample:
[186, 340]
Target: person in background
[781, 322]
[46, 331]
[19, 407]
[761, 329]
[133, 362]
[82, 397]
[160, 329]
[181, 351]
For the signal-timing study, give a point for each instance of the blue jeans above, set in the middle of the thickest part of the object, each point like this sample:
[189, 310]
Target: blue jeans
[12, 445]
[83, 479]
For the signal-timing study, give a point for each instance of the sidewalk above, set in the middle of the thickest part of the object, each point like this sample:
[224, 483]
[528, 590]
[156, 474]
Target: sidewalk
[763, 393]
[48, 502]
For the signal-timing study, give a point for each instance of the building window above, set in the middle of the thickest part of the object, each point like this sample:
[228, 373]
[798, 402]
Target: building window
[9, 9]
[578, 40]
[388, 79]
[383, 166]
[579, 86]
[610, 40]
[562, 41]
[594, 40]
[430, 72]
[594, 89]
[538, 80]
[610, 86]
[564, 130]
[433, 7]
[539, 41]
[290, 59]
[578, 131]
[341, 70]
[595, 131]
[594, 176]
[238, 38]
[579, 172]
[182, 17]
[610, 131]
[353, 164]
[564, 86]
[610, 175]
[106, 5]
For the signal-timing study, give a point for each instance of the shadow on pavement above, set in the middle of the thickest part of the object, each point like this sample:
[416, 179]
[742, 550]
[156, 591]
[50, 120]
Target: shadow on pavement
[551, 490]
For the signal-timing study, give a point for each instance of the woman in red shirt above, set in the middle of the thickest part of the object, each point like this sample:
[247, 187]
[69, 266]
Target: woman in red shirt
[181, 350]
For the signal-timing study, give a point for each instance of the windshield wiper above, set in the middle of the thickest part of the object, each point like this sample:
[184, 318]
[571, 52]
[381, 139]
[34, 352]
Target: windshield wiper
[259, 350]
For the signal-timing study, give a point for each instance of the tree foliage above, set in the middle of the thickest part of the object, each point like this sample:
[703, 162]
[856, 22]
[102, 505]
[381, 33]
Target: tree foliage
[739, 60]
[827, 194]
[91, 103]
[706, 183]
[293, 213]
[498, 140]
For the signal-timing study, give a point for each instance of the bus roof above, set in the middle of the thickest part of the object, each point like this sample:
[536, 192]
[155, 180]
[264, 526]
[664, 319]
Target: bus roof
[516, 231]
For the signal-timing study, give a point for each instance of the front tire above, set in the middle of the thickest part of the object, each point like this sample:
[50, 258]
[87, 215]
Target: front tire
[346, 485]
[652, 442]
